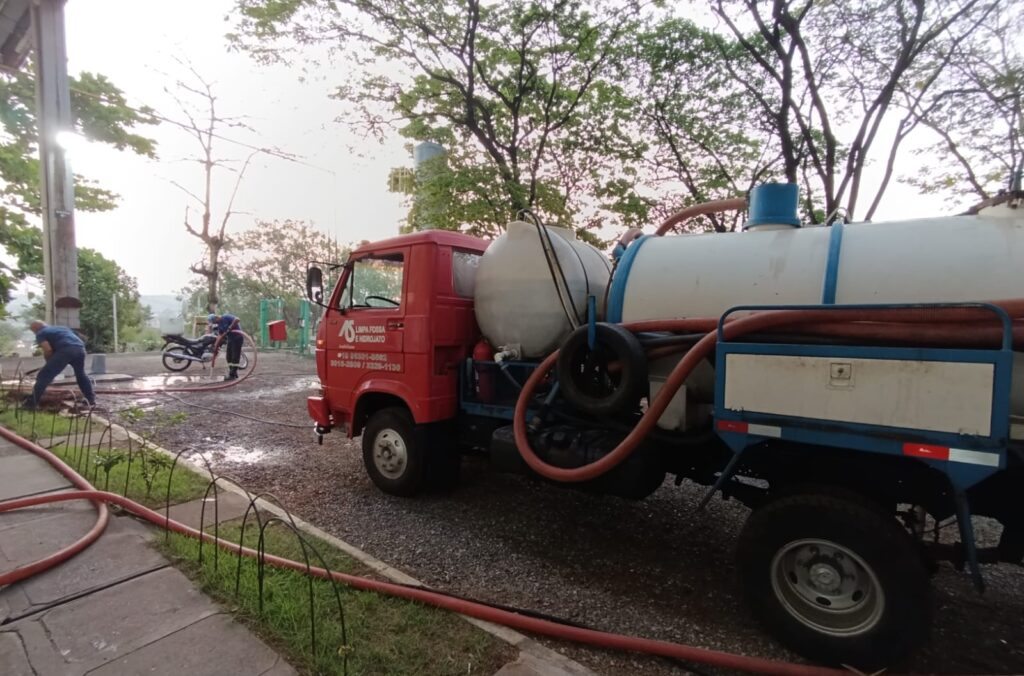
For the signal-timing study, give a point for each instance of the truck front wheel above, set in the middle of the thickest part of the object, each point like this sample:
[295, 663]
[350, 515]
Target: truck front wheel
[835, 579]
[394, 452]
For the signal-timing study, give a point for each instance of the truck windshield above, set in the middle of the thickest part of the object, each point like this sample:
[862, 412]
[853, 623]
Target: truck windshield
[374, 282]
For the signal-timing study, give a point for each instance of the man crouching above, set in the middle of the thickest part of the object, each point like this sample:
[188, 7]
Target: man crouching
[61, 347]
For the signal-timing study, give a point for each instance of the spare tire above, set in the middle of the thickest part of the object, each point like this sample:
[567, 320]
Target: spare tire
[584, 376]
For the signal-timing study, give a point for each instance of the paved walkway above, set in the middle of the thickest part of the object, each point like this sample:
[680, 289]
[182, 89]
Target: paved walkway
[118, 608]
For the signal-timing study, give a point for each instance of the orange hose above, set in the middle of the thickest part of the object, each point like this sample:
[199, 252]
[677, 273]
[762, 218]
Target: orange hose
[193, 388]
[735, 204]
[733, 328]
[464, 607]
[102, 514]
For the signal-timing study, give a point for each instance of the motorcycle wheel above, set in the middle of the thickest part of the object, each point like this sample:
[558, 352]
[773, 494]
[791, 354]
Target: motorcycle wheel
[172, 360]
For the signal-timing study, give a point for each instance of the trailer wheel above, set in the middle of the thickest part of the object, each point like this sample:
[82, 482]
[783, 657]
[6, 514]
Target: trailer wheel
[393, 452]
[835, 579]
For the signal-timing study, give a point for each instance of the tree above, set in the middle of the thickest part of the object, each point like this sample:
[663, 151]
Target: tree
[831, 73]
[516, 92]
[205, 125]
[699, 136]
[268, 261]
[975, 110]
[100, 279]
[101, 114]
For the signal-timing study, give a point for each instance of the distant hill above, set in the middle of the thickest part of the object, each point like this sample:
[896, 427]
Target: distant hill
[166, 309]
[159, 303]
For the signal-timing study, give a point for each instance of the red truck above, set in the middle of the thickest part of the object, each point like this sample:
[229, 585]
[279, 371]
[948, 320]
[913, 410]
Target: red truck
[394, 336]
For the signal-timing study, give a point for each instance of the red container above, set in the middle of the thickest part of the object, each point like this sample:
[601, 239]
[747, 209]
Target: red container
[277, 330]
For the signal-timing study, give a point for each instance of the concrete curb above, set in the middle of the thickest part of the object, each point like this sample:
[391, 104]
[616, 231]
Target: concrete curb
[557, 663]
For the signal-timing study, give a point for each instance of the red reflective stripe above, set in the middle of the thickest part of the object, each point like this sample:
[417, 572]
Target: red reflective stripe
[926, 451]
[732, 426]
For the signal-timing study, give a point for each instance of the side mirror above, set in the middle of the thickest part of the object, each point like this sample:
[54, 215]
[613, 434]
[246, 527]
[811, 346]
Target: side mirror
[315, 284]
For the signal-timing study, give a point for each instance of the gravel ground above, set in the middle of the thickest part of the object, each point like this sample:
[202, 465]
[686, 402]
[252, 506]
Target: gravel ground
[651, 568]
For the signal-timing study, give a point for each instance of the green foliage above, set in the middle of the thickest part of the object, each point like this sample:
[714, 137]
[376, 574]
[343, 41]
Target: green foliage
[152, 464]
[100, 113]
[99, 278]
[385, 635]
[268, 261]
[107, 460]
[516, 92]
[566, 107]
[122, 467]
[974, 111]
[698, 134]
[140, 339]
[21, 422]
[132, 414]
[825, 77]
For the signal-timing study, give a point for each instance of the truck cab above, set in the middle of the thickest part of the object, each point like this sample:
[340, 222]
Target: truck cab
[394, 333]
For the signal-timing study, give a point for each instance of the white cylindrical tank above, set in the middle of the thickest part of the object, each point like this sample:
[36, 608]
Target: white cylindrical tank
[935, 260]
[516, 299]
[954, 259]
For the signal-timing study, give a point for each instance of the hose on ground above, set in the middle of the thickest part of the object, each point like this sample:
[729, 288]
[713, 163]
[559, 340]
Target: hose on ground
[198, 388]
[191, 388]
[428, 597]
[913, 319]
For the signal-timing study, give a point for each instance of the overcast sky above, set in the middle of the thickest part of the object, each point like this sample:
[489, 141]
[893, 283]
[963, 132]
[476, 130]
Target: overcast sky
[136, 43]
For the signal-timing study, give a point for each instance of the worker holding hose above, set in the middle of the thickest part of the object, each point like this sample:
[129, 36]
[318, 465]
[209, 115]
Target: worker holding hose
[229, 328]
[61, 347]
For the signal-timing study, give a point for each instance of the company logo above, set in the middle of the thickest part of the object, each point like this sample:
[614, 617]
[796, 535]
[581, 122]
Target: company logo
[348, 331]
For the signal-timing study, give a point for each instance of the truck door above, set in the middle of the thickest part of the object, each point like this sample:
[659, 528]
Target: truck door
[366, 325]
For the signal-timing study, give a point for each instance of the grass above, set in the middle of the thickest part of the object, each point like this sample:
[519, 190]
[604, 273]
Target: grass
[21, 422]
[385, 635]
[141, 476]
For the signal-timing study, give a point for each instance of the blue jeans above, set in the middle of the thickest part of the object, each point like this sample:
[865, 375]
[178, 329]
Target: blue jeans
[58, 361]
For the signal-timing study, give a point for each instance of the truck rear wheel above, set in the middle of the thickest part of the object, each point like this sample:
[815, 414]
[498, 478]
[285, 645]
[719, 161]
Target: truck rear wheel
[394, 452]
[835, 579]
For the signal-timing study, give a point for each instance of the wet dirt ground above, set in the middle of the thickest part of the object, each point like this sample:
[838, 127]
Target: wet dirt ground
[652, 568]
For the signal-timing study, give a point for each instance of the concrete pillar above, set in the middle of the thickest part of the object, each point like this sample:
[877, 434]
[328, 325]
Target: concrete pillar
[53, 101]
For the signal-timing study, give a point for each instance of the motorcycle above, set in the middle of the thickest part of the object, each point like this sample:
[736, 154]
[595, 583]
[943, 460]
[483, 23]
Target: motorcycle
[179, 352]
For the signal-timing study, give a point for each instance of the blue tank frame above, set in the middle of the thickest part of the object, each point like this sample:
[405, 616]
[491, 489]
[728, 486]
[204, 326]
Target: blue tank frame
[742, 430]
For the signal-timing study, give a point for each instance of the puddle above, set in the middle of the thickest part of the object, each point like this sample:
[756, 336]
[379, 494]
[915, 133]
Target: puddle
[243, 455]
[149, 382]
[300, 385]
[146, 403]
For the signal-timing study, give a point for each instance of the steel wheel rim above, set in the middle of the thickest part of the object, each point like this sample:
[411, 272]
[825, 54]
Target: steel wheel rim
[827, 587]
[390, 455]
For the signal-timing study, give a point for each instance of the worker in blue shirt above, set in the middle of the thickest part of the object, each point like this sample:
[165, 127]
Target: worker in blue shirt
[61, 347]
[230, 327]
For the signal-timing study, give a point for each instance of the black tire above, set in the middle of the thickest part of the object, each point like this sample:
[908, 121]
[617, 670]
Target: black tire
[587, 384]
[394, 451]
[835, 579]
[172, 363]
